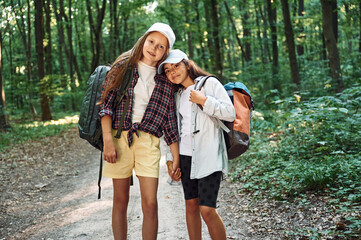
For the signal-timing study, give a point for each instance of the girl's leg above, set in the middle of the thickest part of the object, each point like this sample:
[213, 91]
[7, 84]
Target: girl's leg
[120, 206]
[214, 223]
[193, 216]
[148, 192]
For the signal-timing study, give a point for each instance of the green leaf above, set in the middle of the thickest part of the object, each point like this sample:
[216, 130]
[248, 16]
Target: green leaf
[344, 110]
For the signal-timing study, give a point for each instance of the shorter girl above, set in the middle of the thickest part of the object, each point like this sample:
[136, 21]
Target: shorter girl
[202, 146]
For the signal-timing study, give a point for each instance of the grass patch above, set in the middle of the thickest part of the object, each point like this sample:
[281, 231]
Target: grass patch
[21, 132]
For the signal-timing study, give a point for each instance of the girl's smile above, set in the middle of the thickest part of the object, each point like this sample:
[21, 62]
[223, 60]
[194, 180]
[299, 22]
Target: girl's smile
[154, 48]
[177, 73]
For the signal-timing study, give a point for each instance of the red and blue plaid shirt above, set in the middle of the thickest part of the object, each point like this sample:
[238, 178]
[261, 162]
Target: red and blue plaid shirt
[158, 117]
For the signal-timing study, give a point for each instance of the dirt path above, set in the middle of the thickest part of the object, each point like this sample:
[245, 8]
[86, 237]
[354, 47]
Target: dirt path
[48, 190]
[55, 205]
[80, 215]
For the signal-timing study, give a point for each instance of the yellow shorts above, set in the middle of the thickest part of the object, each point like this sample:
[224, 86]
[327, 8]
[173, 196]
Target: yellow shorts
[143, 156]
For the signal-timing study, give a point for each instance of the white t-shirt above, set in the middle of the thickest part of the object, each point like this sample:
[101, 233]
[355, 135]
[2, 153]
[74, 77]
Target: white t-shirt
[185, 110]
[143, 90]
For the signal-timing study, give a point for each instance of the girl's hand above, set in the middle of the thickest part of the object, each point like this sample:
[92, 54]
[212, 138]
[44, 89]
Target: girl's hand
[198, 97]
[110, 152]
[175, 175]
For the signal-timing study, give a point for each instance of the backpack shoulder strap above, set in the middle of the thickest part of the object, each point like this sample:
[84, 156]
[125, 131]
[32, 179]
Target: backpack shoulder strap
[199, 84]
[123, 91]
[202, 80]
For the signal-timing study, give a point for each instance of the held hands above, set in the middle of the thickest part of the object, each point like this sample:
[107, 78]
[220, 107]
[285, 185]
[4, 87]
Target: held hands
[175, 175]
[198, 97]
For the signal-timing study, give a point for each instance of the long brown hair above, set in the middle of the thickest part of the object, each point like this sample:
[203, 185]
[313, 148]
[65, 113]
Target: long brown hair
[127, 59]
[194, 70]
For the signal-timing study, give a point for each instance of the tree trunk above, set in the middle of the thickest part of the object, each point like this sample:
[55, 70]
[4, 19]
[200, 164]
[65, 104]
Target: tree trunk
[331, 45]
[234, 29]
[359, 46]
[189, 32]
[96, 31]
[348, 32]
[28, 61]
[61, 38]
[4, 116]
[48, 57]
[333, 4]
[272, 15]
[246, 33]
[209, 37]
[290, 43]
[265, 35]
[39, 38]
[301, 36]
[114, 31]
[204, 62]
[69, 27]
[112, 39]
[26, 39]
[12, 83]
[82, 50]
[260, 41]
[70, 44]
[125, 34]
[216, 37]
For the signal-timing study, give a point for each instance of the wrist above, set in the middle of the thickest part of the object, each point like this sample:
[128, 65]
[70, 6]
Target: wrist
[204, 101]
[107, 136]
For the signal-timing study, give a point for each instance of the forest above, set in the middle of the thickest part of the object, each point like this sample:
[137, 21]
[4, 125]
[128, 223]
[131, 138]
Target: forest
[300, 59]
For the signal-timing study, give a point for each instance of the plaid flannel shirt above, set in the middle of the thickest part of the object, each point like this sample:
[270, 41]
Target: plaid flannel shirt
[158, 117]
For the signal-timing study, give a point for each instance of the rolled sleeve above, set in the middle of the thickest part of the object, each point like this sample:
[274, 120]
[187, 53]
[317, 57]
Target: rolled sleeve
[171, 129]
[106, 107]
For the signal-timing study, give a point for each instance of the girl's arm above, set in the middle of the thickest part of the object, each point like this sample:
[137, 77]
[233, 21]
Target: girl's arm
[173, 167]
[110, 153]
[215, 100]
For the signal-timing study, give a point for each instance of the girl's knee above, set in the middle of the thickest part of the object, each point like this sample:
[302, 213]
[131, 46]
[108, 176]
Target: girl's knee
[120, 204]
[208, 212]
[150, 206]
[192, 206]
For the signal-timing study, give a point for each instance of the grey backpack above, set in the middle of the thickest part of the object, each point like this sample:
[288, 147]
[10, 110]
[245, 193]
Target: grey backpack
[89, 124]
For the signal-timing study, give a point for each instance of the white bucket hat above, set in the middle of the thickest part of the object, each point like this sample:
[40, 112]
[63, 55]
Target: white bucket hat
[165, 29]
[175, 56]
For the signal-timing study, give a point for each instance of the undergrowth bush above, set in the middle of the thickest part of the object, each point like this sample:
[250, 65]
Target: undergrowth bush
[302, 146]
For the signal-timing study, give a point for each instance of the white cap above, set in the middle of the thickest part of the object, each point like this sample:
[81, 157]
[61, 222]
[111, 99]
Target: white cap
[175, 56]
[165, 29]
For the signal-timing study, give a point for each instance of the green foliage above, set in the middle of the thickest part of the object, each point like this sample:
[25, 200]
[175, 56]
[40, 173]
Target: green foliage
[19, 133]
[305, 146]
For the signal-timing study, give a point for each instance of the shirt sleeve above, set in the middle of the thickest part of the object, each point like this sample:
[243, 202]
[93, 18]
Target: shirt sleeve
[171, 129]
[106, 108]
[218, 103]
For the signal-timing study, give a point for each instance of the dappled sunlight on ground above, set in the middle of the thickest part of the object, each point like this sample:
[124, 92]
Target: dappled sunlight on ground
[62, 121]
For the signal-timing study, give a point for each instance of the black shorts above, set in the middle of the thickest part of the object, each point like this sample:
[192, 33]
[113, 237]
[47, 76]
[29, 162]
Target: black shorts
[206, 189]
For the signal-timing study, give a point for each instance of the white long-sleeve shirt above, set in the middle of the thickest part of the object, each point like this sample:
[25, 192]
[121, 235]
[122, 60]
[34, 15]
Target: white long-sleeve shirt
[209, 153]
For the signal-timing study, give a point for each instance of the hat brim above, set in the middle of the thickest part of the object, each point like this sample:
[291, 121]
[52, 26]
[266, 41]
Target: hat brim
[170, 60]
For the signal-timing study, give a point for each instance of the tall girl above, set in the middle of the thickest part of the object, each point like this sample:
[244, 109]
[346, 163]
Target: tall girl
[202, 148]
[151, 113]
